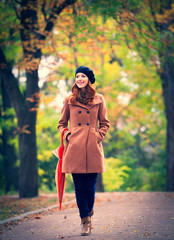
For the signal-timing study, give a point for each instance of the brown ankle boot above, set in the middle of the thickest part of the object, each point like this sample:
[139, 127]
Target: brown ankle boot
[91, 213]
[86, 226]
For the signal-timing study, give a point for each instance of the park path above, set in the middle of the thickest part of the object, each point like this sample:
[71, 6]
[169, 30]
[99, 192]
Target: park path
[123, 216]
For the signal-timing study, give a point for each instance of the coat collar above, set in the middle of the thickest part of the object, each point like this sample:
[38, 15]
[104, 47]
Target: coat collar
[97, 100]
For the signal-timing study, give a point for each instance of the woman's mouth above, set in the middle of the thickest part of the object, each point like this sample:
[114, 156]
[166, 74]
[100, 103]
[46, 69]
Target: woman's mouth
[80, 83]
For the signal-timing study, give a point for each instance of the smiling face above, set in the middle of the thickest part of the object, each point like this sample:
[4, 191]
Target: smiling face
[81, 80]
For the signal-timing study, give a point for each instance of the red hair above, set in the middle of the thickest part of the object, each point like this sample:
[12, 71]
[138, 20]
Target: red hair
[76, 93]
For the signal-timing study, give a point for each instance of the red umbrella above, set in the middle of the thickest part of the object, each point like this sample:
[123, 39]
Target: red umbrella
[59, 176]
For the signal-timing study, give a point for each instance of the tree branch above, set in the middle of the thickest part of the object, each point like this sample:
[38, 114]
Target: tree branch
[17, 1]
[43, 11]
[153, 14]
[138, 45]
[15, 10]
[56, 10]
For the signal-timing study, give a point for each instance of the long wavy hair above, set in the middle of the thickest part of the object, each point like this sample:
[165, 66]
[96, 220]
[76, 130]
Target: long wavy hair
[78, 93]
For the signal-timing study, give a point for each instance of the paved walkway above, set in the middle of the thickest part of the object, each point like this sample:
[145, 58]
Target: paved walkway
[123, 216]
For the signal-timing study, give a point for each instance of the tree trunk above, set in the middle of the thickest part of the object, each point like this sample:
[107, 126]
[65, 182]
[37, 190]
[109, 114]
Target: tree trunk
[168, 93]
[26, 110]
[8, 150]
[167, 74]
[28, 177]
[26, 107]
[28, 180]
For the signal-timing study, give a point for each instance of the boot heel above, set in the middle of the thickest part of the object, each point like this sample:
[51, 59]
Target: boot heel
[86, 226]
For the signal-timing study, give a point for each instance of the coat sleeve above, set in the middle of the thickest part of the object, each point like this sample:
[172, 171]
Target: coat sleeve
[63, 122]
[103, 120]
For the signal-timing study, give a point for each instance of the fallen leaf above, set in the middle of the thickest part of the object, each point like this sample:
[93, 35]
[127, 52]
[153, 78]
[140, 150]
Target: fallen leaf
[105, 227]
[146, 234]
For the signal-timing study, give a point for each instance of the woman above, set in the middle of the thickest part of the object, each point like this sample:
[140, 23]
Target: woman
[83, 153]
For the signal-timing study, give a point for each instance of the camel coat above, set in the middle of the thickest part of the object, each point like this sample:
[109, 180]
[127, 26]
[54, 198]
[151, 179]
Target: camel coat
[83, 152]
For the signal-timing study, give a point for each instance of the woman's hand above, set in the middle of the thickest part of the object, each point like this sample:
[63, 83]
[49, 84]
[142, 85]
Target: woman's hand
[67, 137]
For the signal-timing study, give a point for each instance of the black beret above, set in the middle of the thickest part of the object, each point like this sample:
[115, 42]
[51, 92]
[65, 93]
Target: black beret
[87, 71]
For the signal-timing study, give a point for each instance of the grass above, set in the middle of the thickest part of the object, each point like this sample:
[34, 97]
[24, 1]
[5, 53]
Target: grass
[11, 206]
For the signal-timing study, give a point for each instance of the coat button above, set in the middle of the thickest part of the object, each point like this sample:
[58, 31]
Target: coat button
[79, 111]
[88, 111]
[79, 124]
[87, 124]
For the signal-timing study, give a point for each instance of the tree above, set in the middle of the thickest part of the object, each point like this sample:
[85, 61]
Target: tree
[9, 156]
[147, 26]
[119, 72]
[159, 39]
[163, 19]
[110, 60]
[26, 104]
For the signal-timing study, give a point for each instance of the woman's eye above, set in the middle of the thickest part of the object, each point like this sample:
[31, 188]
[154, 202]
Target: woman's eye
[83, 76]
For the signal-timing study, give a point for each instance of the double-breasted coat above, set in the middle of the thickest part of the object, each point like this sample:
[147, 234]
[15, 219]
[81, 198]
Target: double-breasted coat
[83, 152]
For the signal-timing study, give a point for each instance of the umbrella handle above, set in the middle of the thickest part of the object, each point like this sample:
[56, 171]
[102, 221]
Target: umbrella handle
[65, 129]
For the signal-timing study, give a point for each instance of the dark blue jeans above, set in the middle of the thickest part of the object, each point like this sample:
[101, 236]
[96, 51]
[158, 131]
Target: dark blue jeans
[85, 186]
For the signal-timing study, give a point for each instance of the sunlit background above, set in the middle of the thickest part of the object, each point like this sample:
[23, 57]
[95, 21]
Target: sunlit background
[124, 55]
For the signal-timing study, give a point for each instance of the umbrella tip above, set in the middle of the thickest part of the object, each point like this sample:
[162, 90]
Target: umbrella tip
[60, 205]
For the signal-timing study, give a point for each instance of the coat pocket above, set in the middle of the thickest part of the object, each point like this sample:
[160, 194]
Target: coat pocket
[98, 137]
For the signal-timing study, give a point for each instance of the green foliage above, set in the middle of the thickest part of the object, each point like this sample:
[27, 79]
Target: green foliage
[116, 41]
[106, 8]
[69, 185]
[8, 122]
[10, 35]
[136, 176]
[115, 174]
[48, 139]
[132, 90]
[146, 164]
[2, 176]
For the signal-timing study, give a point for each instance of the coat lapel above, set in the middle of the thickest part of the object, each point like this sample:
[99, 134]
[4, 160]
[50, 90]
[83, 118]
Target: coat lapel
[97, 100]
